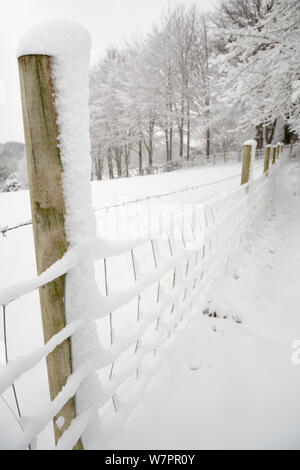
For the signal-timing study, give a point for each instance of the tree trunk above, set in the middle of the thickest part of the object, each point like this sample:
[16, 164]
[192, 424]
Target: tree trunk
[180, 128]
[99, 165]
[207, 85]
[188, 147]
[259, 137]
[208, 142]
[180, 141]
[167, 144]
[110, 165]
[118, 157]
[171, 132]
[151, 143]
[127, 159]
[171, 143]
[140, 158]
[98, 168]
[269, 132]
[288, 135]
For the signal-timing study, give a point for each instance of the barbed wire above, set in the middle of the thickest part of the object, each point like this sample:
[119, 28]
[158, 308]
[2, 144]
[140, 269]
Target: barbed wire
[5, 229]
[162, 195]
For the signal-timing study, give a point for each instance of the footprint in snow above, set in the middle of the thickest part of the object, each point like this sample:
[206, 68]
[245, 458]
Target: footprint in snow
[195, 364]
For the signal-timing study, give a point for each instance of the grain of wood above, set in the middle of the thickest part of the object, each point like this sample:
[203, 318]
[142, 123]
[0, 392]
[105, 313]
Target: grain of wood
[267, 159]
[48, 212]
[246, 164]
[274, 155]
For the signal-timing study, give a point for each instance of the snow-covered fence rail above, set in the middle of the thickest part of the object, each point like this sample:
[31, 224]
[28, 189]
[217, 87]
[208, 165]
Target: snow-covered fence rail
[124, 296]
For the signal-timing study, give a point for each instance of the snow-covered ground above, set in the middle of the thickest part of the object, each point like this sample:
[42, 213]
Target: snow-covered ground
[212, 378]
[233, 383]
[24, 328]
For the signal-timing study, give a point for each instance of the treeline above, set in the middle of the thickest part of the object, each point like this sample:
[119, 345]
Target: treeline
[12, 166]
[198, 83]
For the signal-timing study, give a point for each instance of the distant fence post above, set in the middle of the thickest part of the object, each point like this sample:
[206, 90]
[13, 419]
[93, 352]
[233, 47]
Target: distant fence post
[246, 164]
[48, 210]
[278, 150]
[267, 158]
[274, 154]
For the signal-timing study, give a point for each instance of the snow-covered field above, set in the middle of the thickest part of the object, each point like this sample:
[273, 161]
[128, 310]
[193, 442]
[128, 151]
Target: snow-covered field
[208, 359]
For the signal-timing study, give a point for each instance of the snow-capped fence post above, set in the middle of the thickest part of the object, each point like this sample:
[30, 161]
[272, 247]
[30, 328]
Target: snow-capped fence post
[274, 154]
[278, 150]
[246, 164]
[48, 214]
[267, 158]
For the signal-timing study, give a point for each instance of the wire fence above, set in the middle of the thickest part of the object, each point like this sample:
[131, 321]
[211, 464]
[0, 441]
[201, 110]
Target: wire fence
[4, 230]
[147, 288]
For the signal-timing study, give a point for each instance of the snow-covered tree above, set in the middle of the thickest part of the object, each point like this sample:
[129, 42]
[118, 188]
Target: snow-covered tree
[211, 79]
[263, 67]
[11, 184]
[21, 173]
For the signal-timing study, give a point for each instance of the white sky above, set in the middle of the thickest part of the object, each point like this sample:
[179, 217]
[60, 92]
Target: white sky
[108, 21]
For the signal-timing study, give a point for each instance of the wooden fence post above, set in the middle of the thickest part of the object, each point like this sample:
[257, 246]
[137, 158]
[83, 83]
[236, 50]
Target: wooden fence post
[274, 154]
[246, 164]
[48, 210]
[267, 158]
[278, 151]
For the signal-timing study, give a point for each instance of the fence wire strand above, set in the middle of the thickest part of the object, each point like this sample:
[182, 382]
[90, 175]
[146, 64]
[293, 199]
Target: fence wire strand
[4, 230]
[18, 416]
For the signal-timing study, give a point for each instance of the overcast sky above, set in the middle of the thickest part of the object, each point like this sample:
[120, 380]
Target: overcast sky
[108, 21]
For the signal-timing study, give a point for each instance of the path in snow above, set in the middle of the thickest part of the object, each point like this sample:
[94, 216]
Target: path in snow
[231, 385]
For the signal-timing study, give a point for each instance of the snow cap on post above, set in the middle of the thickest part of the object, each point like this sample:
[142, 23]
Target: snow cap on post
[251, 143]
[68, 44]
[278, 149]
[60, 39]
[248, 160]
